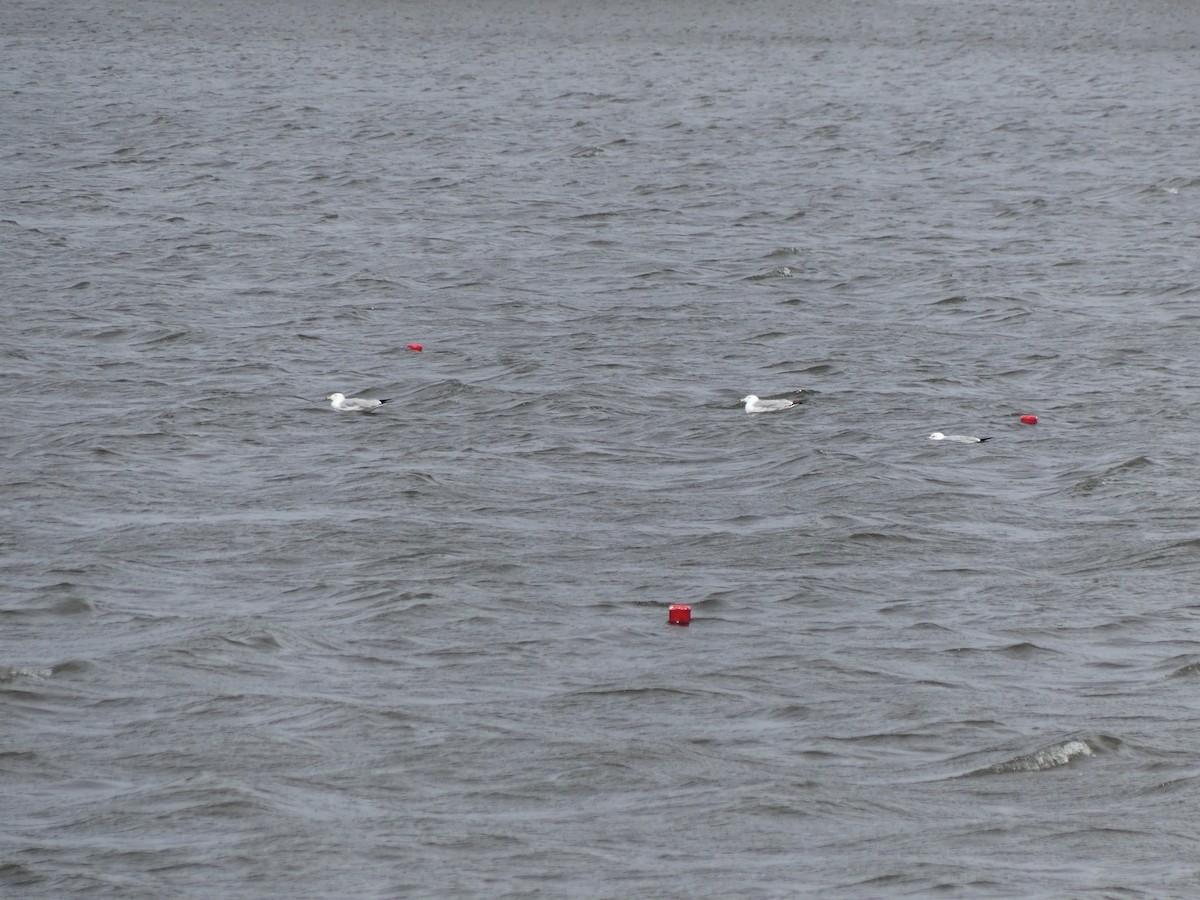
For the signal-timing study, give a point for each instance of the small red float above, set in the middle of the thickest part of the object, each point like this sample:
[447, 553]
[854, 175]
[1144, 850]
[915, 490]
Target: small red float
[417, 347]
[1029, 420]
[679, 614]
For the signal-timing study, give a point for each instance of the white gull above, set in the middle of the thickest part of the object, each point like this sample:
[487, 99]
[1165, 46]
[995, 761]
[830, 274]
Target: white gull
[958, 438]
[342, 403]
[755, 405]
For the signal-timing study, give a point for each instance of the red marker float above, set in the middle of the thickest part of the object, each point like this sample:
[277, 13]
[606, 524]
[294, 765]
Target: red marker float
[415, 347]
[1029, 420]
[679, 614]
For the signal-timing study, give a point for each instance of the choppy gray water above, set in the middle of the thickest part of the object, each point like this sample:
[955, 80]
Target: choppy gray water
[252, 647]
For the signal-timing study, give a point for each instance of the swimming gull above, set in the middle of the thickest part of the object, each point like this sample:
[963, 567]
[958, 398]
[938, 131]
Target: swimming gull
[755, 405]
[342, 403]
[958, 438]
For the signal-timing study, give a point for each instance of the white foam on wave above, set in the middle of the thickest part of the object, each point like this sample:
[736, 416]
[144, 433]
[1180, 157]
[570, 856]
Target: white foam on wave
[1052, 757]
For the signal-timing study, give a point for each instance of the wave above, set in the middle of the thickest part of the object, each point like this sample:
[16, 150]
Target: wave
[1053, 756]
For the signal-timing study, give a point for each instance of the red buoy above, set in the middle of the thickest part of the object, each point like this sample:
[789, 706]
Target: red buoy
[1029, 420]
[679, 614]
[417, 347]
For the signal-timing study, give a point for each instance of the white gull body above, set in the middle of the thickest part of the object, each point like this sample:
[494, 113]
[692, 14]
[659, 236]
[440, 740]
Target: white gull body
[342, 403]
[958, 438]
[755, 405]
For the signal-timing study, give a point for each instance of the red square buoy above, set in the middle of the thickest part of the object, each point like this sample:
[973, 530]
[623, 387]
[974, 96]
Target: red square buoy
[679, 614]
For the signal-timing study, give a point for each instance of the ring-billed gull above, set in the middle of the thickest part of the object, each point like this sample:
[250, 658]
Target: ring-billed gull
[755, 405]
[342, 403]
[958, 438]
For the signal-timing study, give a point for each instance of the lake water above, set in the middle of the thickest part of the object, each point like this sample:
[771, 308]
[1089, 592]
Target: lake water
[253, 647]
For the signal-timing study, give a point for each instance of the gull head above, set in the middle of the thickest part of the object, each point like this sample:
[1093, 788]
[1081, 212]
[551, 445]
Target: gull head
[937, 436]
[751, 398]
[335, 396]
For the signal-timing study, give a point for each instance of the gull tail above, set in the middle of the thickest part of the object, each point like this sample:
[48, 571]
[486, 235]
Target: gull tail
[389, 400]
